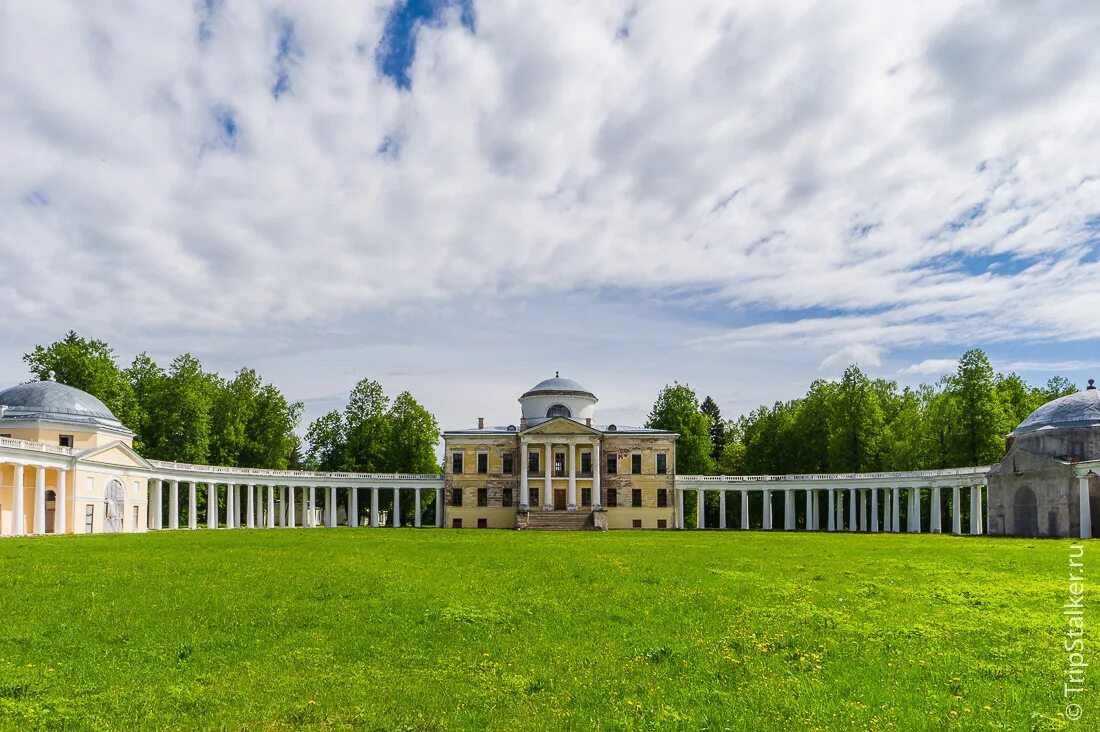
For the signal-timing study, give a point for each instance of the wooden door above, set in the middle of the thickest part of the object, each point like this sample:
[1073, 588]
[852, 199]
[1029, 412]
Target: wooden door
[559, 499]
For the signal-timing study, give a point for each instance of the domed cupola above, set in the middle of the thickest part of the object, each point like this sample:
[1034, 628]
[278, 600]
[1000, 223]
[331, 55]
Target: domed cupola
[48, 401]
[1073, 411]
[557, 397]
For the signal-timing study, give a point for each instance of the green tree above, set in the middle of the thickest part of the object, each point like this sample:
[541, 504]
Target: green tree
[88, 365]
[367, 427]
[677, 410]
[182, 412]
[980, 425]
[327, 443]
[857, 426]
[710, 408]
[413, 434]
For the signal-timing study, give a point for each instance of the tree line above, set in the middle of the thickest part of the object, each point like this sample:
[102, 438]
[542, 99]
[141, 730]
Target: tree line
[185, 413]
[858, 424]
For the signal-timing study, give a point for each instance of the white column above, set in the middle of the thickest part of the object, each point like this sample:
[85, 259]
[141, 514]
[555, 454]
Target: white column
[936, 526]
[282, 507]
[831, 511]
[916, 510]
[232, 506]
[744, 509]
[397, 508]
[39, 500]
[548, 488]
[173, 504]
[840, 510]
[597, 497]
[767, 509]
[353, 507]
[874, 509]
[250, 506]
[885, 509]
[292, 508]
[981, 513]
[416, 516]
[524, 492]
[374, 508]
[788, 510]
[722, 509]
[861, 500]
[18, 518]
[211, 506]
[438, 508]
[680, 507]
[571, 457]
[60, 517]
[311, 510]
[700, 510]
[1083, 507]
[192, 511]
[331, 504]
[270, 506]
[810, 510]
[158, 504]
[853, 516]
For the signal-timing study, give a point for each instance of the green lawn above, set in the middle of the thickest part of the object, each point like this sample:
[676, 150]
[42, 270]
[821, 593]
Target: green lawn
[444, 629]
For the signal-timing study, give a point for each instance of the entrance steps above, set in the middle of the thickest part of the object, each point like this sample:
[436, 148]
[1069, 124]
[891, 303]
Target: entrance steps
[556, 521]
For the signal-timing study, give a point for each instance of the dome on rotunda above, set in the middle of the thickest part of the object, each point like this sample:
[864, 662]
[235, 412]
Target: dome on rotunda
[1081, 409]
[52, 402]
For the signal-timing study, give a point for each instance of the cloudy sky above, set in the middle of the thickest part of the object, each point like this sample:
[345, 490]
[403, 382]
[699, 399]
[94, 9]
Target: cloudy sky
[459, 197]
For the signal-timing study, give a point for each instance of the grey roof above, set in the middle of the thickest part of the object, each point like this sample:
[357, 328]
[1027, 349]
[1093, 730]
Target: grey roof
[558, 385]
[50, 401]
[1081, 409]
[504, 429]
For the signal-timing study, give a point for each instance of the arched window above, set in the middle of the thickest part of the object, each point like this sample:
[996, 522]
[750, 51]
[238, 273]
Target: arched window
[558, 410]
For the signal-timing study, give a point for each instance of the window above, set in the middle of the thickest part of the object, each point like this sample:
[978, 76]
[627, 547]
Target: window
[8, 435]
[636, 463]
[507, 459]
[135, 518]
[482, 497]
[586, 496]
[65, 440]
[612, 497]
[662, 463]
[483, 523]
[456, 523]
[533, 495]
[89, 517]
[506, 498]
[483, 463]
[662, 498]
[456, 496]
[456, 463]
[612, 463]
[586, 463]
[559, 410]
[662, 523]
[636, 524]
[559, 464]
[532, 462]
[636, 497]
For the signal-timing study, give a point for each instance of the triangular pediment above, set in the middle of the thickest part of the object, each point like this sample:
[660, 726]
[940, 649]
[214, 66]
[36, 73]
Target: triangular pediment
[116, 453]
[560, 426]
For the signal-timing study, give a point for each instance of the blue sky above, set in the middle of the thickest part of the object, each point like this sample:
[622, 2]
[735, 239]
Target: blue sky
[459, 198]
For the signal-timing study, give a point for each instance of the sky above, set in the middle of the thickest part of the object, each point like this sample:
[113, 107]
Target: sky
[459, 198]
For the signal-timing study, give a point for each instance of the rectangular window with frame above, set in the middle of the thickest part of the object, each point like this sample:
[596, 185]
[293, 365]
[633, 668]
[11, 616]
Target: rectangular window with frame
[89, 518]
[532, 462]
[456, 463]
[482, 497]
[482, 463]
[586, 496]
[506, 498]
[507, 460]
[135, 518]
[456, 496]
[636, 497]
[662, 498]
[662, 523]
[456, 523]
[662, 463]
[533, 495]
[8, 435]
[636, 524]
[636, 463]
[586, 463]
[65, 440]
[483, 523]
[612, 497]
[612, 463]
[559, 464]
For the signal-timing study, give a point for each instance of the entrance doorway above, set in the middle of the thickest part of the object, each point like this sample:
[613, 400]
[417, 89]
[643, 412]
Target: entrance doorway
[559, 499]
[51, 508]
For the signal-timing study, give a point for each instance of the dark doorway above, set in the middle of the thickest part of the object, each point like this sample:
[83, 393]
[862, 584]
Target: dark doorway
[559, 499]
[51, 511]
[1025, 512]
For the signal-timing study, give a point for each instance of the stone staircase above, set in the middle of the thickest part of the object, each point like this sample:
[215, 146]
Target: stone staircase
[555, 521]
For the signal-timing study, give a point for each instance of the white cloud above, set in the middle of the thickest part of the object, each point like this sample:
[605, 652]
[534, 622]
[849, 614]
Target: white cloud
[860, 164]
[932, 367]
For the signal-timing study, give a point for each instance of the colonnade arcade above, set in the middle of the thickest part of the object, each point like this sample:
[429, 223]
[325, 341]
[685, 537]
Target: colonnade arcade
[839, 502]
[545, 449]
[248, 498]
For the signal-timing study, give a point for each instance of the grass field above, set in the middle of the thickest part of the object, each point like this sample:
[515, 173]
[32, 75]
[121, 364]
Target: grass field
[430, 629]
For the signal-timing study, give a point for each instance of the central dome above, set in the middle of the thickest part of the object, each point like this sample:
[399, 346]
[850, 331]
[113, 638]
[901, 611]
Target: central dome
[50, 401]
[1080, 409]
[557, 397]
[558, 385]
